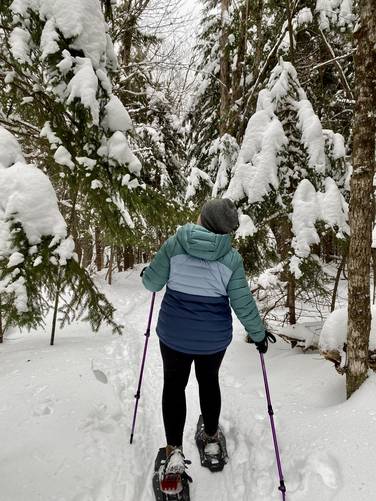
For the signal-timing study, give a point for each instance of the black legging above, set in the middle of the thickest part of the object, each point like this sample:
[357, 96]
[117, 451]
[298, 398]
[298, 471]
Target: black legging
[176, 369]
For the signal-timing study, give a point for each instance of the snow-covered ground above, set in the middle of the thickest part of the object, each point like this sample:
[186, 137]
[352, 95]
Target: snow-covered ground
[65, 436]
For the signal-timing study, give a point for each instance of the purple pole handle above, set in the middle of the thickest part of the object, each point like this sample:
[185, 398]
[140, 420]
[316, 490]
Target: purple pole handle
[282, 486]
[138, 393]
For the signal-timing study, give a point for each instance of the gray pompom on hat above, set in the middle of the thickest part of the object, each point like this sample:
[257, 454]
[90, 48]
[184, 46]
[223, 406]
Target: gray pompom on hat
[219, 215]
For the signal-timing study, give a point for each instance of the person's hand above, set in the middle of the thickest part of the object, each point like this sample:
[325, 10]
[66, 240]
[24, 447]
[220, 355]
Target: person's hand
[262, 346]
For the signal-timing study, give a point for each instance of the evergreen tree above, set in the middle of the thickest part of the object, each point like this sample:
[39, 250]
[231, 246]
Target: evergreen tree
[205, 143]
[259, 32]
[285, 171]
[159, 137]
[37, 259]
[233, 49]
[58, 60]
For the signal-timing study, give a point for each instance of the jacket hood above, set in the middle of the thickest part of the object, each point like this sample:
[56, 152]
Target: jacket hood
[199, 242]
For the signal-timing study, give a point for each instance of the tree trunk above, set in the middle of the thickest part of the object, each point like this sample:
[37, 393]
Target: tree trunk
[128, 258]
[373, 254]
[98, 250]
[56, 306]
[361, 200]
[238, 73]
[119, 258]
[1, 324]
[336, 282]
[87, 252]
[110, 265]
[291, 297]
[283, 235]
[224, 69]
[291, 32]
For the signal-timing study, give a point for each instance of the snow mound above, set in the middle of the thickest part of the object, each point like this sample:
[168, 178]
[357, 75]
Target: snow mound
[334, 332]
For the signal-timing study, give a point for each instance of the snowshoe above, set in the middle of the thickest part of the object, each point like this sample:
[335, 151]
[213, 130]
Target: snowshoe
[170, 481]
[213, 452]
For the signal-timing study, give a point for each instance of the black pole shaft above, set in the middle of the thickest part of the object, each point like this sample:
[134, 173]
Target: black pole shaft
[138, 393]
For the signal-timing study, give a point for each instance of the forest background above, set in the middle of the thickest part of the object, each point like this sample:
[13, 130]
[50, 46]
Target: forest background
[133, 112]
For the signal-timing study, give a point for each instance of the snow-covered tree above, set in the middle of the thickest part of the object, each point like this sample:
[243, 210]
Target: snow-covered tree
[290, 174]
[259, 32]
[58, 60]
[159, 137]
[204, 113]
[37, 259]
[323, 57]
[233, 50]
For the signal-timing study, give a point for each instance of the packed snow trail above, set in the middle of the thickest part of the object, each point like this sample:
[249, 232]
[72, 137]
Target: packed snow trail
[65, 435]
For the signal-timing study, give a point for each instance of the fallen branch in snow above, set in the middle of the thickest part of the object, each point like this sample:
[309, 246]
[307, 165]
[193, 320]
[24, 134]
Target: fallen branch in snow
[302, 335]
[339, 359]
[296, 342]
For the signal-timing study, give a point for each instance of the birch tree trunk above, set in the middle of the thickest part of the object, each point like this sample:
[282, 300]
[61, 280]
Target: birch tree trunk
[224, 68]
[362, 200]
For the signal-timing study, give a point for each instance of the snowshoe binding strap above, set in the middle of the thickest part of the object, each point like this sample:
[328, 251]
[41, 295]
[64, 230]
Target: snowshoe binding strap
[171, 483]
[212, 450]
[172, 473]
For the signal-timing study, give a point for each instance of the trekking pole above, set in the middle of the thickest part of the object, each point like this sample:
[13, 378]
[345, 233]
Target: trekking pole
[282, 486]
[138, 393]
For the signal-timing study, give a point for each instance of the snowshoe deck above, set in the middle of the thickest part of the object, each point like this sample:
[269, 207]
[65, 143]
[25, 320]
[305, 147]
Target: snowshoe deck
[214, 462]
[161, 496]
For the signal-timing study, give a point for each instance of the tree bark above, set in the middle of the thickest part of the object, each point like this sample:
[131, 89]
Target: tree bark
[282, 231]
[224, 69]
[336, 282]
[98, 250]
[1, 324]
[291, 32]
[361, 200]
[87, 252]
[373, 254]
[110, 265]
[238, 74]
[119, 258]
[56, 306]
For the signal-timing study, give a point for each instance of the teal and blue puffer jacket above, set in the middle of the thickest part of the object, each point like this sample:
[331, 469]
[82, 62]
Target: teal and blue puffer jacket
[202, 273]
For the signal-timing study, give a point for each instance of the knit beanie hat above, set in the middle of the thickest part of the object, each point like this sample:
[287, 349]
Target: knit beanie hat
[219, 215]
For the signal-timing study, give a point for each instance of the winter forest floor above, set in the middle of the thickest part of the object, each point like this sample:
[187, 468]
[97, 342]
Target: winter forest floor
[65, 436]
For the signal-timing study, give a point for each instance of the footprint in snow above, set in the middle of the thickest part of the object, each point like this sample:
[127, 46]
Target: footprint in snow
[326, 467]
[43, 409]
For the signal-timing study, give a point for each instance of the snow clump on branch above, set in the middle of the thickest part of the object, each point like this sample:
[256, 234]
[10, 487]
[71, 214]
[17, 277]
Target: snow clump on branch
[27, 202]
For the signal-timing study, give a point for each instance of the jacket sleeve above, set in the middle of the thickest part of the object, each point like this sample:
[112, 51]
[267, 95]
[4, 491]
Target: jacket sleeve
[157, 273]
[244, 305]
